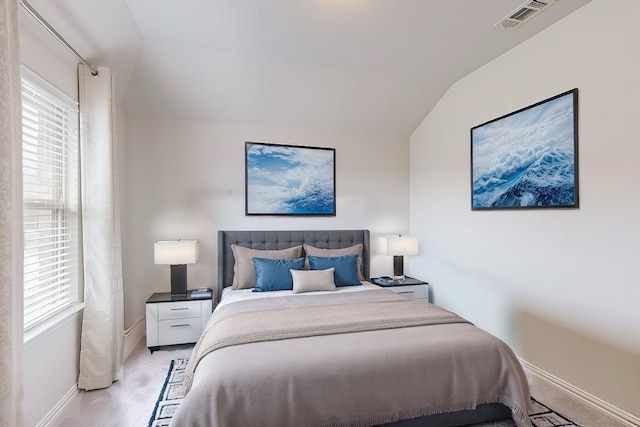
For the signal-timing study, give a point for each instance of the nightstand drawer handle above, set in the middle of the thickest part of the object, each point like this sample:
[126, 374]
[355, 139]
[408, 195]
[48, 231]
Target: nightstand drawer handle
[180, 326]
[406, 292]
[181, 308]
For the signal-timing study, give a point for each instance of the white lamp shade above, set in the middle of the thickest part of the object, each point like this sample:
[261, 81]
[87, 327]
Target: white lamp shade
[175, 252]
[400, 245]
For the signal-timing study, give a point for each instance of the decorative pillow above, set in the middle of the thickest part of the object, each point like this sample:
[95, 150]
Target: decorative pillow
[244, 272]
[355, 249]
[346, 271]
[275, 274]
[313, 280]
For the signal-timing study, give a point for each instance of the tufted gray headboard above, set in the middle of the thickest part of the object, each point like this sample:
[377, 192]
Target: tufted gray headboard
[274, 239]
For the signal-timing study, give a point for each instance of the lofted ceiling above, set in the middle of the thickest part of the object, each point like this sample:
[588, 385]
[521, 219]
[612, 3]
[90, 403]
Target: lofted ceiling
[372, 66]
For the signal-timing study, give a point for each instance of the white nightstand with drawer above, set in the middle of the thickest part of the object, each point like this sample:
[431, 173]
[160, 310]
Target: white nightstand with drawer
[411, 288]
[175, 319]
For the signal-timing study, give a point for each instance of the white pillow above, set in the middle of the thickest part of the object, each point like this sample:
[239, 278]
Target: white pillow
[313, 280]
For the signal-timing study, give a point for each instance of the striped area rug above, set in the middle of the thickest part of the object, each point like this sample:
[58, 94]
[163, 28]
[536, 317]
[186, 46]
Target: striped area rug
[171, 396]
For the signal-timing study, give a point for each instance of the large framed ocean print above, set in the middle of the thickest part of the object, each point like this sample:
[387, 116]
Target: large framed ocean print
[289, 180]
[529, 158]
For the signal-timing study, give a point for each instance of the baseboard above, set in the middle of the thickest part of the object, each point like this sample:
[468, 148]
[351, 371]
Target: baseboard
[133, 335]
[597, 403]
[56, 409]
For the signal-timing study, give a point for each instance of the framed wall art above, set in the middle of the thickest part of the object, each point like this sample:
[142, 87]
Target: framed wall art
[528, 158]
[289, 180]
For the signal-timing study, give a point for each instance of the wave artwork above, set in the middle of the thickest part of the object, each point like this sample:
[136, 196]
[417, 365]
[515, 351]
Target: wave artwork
[528, 158]
[289, 180]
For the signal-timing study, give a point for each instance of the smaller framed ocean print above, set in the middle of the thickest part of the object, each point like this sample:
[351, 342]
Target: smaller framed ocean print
[529, 158]
[289, 180]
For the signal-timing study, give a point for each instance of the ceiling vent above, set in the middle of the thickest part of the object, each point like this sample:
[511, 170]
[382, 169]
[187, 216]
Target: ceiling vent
[524, 13]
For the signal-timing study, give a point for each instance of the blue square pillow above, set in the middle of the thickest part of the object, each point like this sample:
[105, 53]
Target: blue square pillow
[346, 267]
[274, 274]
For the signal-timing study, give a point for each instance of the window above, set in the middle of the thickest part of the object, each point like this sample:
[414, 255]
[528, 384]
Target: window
[50, 199]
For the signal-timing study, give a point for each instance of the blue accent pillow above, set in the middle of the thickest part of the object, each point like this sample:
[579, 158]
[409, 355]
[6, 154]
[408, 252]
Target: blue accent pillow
[274, 274]
[346, 266]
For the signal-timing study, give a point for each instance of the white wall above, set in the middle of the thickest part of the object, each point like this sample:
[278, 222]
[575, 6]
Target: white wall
[560, 286]
[185, 179]
[47, 57]
[51, 369]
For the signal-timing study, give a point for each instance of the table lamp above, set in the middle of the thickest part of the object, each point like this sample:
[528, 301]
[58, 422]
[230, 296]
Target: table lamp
[176, 253]
[399, 246]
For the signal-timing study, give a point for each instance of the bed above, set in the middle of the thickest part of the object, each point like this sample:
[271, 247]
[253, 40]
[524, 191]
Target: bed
[355, 355]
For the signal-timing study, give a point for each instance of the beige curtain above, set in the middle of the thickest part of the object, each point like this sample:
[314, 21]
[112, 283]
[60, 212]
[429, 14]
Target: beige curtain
[11, 248]
[102, 340]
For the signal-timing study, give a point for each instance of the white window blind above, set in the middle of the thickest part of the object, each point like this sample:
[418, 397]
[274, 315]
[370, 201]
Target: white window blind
[50, 198]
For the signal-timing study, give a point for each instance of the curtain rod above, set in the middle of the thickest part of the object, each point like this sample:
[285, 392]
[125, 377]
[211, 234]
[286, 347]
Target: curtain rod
[57, 35]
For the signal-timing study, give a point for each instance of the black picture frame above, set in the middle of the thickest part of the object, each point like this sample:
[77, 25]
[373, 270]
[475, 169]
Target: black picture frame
[289, 180]
[527, 159]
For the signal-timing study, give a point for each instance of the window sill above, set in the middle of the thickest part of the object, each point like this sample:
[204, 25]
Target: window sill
[45, 328]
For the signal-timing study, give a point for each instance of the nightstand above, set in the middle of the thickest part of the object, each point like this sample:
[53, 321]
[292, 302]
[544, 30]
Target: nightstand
[177, 319]
[411, 288]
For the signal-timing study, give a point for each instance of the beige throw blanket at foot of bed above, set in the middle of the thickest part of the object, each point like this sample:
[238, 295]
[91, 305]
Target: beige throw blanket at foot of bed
[241, 324]
[306, 329]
